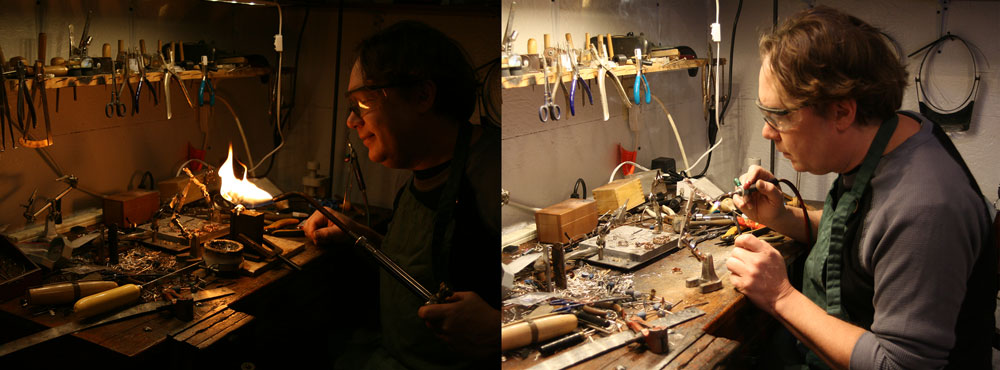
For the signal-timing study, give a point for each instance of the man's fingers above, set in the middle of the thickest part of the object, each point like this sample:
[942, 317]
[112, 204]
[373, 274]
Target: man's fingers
[433, 312]
[749, 242]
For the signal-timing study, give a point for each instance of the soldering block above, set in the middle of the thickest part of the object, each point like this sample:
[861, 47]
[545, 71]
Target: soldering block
[613, 195]
[131, 208]
[571, 216]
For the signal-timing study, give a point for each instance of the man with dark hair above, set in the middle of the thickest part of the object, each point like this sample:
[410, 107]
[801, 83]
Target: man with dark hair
[903, 272]
[411, 93]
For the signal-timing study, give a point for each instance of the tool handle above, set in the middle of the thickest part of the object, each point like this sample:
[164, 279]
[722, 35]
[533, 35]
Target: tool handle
[600, 47]
[532, 46]
[121, 47]
[3, 61]
[586, 41]
[611, 48]
[547, 41]
[107, 300]
[181, 50]
[548, 349]
[62, 293]
[142, 46]
[529, 332]
[41, 47]
[106, 50]
[569, 40]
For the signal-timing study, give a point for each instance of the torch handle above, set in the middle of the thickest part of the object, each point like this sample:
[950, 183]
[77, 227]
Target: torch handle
[387, 263]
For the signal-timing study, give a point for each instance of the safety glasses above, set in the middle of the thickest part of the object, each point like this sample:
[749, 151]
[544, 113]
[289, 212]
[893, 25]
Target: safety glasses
[779, 119]
[361, 100]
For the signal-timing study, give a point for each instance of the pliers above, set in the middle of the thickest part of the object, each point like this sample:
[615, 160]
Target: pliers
[206, 82]
[572, 86]
[138, 89]
[567, 305]
[639, 77]
[24, 98]
[602, 72]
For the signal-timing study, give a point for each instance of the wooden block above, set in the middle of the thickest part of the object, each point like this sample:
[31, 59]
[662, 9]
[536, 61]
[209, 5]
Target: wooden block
[571, 216]
[131, 208]
[612, 195]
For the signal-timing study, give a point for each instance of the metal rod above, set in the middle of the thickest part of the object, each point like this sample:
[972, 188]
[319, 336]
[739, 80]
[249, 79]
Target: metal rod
[384, 261]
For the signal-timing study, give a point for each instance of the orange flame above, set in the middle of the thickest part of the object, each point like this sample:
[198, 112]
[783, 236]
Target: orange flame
[236, 190]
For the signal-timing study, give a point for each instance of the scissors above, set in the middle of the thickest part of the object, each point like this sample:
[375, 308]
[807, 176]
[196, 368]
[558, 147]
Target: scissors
[572, 86]
[115, 106]
[639, 77]
[548, 109]
[206, 82]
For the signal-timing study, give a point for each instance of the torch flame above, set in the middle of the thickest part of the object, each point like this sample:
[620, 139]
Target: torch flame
[236, 190]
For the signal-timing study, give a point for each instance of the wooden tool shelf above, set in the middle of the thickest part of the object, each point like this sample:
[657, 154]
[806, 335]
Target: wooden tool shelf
[105, 79]
[535, 78]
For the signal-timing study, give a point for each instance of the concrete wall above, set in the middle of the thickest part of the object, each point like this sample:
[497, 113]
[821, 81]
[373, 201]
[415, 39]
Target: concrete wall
[542, 161]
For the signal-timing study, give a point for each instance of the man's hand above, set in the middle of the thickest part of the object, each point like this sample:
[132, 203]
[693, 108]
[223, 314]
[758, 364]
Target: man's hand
[758, 271]
[322, 231]
[466, 322]
[764, 205]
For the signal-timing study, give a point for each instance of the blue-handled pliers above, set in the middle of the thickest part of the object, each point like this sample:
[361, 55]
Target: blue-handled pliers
[639, 77]
[572, 87]
[206, 82]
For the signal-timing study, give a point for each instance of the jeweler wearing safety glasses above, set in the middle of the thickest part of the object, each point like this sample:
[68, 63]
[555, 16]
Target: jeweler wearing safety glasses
[902, 272]
[411, 92]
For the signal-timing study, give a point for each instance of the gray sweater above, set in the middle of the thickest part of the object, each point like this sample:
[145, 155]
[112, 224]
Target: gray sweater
[919, 241]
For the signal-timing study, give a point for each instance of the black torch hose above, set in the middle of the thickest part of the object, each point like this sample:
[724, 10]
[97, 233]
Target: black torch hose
[384, 261]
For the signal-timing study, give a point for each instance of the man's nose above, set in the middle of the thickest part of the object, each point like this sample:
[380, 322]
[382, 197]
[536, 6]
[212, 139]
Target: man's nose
[770, 133]
[353, 121]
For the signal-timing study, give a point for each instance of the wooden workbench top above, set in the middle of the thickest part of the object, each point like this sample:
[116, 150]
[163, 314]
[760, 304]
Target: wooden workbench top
[131, 337]
[712, 337]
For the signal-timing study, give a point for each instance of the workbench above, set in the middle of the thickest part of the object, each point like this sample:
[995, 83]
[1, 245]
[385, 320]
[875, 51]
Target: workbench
[730, 321]
[154, 340]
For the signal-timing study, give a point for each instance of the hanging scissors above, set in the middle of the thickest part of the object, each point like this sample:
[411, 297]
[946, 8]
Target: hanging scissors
[548, 108]
[639, 77]
[206, 82]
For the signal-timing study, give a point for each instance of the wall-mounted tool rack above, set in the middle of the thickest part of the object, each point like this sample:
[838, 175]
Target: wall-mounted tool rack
[535, 78]
[105, 79]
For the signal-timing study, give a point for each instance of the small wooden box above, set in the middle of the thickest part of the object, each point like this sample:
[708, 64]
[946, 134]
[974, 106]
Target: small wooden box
[612, 195]
[571, 216]
[131, 208]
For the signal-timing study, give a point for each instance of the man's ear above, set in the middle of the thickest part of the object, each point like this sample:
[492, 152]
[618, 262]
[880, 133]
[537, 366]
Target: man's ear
[424, 95]
[844, 112]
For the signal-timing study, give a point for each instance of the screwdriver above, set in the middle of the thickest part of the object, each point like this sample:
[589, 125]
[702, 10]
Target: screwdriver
[117, 297]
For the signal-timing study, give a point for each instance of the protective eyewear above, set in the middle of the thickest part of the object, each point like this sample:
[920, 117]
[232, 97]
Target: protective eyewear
[779, 119]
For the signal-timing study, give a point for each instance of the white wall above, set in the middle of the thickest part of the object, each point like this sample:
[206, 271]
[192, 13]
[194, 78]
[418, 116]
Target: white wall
[541, 161]
[913, 23]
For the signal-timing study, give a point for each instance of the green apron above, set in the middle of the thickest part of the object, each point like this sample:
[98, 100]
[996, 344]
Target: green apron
[821, 281]
[419, 240]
